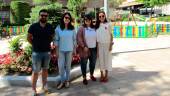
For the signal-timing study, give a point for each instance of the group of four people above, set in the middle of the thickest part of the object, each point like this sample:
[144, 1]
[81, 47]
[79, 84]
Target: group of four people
[90, 42]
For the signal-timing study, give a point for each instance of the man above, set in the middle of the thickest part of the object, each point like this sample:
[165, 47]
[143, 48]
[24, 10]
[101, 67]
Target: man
[40, 35]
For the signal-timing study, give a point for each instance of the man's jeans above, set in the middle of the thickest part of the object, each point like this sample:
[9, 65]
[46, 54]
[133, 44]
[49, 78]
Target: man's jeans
[40, 60]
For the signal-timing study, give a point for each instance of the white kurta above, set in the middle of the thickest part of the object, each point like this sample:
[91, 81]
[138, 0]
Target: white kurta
[103, 38]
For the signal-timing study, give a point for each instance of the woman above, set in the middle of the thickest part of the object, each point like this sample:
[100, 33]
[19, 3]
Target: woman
[104, 48]
[65, 40]
[86, 39]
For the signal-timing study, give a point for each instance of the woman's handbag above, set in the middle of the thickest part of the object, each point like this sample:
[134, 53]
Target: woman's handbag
[76, 59]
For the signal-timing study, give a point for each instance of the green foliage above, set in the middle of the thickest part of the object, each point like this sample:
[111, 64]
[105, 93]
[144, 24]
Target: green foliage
[19, 11]
[28, 50]
[115, 3]
[54, 12]
[40, 1]
[14, 44]
[26, 27]
[164, 18]
[76, 6]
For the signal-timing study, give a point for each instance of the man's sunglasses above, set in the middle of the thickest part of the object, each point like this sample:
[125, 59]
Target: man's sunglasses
[44, 15]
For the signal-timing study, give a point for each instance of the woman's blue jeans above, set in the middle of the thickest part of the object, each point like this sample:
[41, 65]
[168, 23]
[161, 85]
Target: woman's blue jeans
[64, 65]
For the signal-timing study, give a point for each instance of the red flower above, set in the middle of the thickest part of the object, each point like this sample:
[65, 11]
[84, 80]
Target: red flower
[6, 59]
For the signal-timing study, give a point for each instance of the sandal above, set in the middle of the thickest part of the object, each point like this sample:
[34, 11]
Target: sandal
[35, 94]
[101, 79]
[46, 91]
[105, 80]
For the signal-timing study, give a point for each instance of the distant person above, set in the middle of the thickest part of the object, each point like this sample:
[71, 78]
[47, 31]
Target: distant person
[94, 22]
[78, 23]
[86, 39]
[65, 41]
[40, 35]
[104, 40]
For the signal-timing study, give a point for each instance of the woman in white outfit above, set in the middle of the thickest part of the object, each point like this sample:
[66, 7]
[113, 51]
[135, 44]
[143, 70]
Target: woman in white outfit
[104, 47]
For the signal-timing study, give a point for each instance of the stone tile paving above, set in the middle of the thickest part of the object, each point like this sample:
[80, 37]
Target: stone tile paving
[144, 73]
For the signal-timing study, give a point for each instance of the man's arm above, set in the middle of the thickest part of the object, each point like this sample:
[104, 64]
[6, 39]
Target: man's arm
[30, 38]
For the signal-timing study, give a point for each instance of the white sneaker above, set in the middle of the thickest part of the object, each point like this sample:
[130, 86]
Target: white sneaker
[67, 84]
[61, 85]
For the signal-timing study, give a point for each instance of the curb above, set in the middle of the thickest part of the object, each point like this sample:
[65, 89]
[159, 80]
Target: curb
[6, 81]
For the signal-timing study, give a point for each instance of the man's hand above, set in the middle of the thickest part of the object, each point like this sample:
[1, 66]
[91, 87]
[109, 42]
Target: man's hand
[52, 45]
[110, 47]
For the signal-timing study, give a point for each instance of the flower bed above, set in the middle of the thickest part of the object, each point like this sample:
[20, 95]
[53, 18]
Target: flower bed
[18, 60]
[19, 63]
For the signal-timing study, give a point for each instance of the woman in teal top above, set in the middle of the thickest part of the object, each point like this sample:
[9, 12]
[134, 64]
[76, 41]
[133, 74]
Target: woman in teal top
[65, 41]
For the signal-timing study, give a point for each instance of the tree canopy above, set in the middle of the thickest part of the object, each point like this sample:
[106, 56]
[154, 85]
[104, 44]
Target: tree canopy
[115, 3]
[40, 1]
[75, 6]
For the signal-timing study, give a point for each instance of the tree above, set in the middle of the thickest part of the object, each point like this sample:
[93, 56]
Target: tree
[115, 3]
[54, 10]
[17, 12]
[39, 2]
[76, 6]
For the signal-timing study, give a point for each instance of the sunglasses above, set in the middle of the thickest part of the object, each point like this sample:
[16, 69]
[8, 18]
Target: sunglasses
[86, 20]
[102, 16]
[44, 15]
[67, 17]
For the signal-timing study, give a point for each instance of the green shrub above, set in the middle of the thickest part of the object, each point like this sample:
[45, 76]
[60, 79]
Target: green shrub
[14, 44]
[164, 18]
[41, 1]
[19, 11]
[26, 27]
[54, 13]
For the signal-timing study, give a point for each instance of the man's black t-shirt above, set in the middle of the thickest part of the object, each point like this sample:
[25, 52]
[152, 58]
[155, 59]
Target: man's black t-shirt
[42, 37]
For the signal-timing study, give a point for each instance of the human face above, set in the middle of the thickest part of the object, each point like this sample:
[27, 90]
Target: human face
[102, 17]
[94, 22]
[66, 19]
[87, 22]
[43, 17]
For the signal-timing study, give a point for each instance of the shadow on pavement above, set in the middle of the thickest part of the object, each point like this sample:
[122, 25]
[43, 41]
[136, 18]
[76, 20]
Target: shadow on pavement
[121, 83]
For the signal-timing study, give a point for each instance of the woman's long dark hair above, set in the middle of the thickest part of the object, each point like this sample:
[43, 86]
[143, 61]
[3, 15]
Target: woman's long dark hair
[98, 21]
[62, 25]
[89, 17]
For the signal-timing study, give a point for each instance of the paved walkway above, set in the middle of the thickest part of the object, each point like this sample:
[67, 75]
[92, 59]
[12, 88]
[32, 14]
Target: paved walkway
[121, 44]
[136, 44]
[142, 73]
[4, 46]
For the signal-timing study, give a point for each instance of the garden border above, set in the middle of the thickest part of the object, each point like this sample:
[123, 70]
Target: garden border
[6, 81]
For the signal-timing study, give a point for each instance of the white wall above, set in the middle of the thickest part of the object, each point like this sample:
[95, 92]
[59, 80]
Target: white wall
[164, 9]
